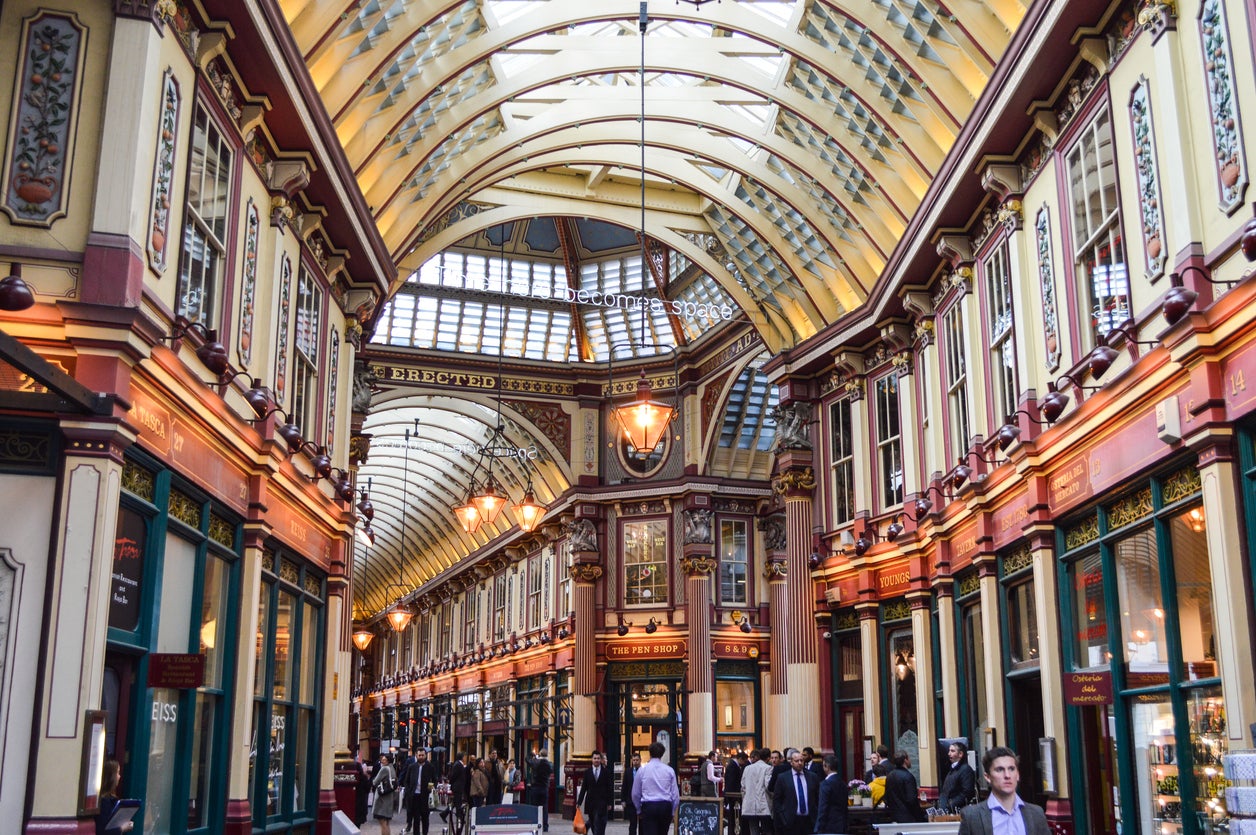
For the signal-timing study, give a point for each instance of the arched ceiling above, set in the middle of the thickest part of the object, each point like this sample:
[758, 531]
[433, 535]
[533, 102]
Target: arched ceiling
[787, 144]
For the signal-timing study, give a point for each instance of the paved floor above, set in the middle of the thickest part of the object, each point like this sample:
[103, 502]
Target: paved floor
[558, 826]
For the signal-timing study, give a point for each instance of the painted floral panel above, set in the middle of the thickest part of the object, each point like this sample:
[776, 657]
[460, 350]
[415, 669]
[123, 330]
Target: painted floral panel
[248, 286]
[333, 382]
[1147, 165]
[42, 124]
[283, 329]
[163, 173]
[1046, 283]
[1227, 137]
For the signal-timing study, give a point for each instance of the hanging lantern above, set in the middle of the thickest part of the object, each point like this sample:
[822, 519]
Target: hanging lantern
[400, 616]
[529, 511]
[362, 638]
[644, 420]
[489, 501]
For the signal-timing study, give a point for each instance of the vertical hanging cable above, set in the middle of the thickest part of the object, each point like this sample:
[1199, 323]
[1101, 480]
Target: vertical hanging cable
[643, 21]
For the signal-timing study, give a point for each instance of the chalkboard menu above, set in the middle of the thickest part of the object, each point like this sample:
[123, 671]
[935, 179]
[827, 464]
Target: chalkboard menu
[699, 816]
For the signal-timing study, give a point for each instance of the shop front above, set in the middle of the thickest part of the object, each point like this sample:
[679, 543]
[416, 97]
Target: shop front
[644, 704]
[1143, 685]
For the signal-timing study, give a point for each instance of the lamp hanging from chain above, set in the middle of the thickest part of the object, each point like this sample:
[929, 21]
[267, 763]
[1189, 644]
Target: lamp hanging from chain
[362, 638]
[401, 613]
[644, 420]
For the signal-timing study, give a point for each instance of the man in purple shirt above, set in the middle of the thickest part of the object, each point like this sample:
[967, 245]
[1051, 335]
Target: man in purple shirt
[655, 793]
[1003, 813]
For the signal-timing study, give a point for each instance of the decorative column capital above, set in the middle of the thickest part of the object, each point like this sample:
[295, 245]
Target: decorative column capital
[775, 570]
[795, 483]
[793, 426]
[583, 572]
[697, 565]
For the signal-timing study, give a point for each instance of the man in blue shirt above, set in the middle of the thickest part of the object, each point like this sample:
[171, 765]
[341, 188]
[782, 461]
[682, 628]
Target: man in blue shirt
[1003, 813]
[655, 793]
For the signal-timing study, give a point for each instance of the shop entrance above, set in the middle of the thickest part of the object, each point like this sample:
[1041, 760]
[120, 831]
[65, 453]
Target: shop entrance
[1103, 801]
[643, 712]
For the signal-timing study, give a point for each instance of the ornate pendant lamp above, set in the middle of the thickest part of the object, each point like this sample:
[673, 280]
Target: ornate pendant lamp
[362, 638]
[529, 511]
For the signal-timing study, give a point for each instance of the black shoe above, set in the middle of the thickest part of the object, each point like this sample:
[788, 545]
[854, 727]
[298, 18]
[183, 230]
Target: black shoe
[444, 815]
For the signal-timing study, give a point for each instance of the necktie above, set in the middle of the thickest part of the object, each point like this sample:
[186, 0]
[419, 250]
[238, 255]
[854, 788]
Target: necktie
[802, 794]
[597, 772]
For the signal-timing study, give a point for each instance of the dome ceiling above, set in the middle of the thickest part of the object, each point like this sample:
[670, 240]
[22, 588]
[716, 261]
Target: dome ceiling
[787, 145]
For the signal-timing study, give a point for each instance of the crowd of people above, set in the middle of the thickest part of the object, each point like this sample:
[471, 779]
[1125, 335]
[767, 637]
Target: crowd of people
[789, 793]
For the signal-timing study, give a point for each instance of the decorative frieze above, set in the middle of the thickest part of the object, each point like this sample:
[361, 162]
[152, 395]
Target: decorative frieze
[163, 173]
[1046, 287]
[1221, 90]
[333, 385]
[1146, 165]
[248, 283]
[697, 566]
[282, 329]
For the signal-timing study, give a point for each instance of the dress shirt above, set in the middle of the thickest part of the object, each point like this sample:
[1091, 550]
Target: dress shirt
[1003, 822]
[656, 781]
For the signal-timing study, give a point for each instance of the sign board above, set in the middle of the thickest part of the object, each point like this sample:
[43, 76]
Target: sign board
[1088, 688]
[647, 649]
[699, 816]
[178, 671]
[506, 818]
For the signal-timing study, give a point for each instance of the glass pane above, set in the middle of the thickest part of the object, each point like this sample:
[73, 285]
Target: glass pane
[734, 707]
[129, 543]
[301, 769]
[282, 679]
[850, 659]
[275, 773]
[902, 666]
[257, 711]
[1090, 620]
[1193, 578]
[975, 650]
[202, 759]
[213, 619]
[177, 581]
[1022, 624]
[1209, 744]
[1142, 610]
[262, 642]
[310, 633]
[1155, 766]
[645, 562]
[733, 555]
[159, 816]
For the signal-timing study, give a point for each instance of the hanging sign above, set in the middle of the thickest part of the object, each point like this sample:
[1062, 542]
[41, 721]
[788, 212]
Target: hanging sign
[1088, 688]
[175, 670]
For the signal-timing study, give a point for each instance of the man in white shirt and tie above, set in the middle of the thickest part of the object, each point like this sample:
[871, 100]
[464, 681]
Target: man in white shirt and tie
[597, 792]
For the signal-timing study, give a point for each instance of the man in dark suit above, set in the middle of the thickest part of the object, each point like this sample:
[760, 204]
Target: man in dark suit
[539, 773]
[902, 792]
[1003, 774]
[625, 793]
[831, 812]
[419, 779]
[813, 765]
[794, 798]
[732, 792]
[597, 792]
[459, 784]
[959, 787]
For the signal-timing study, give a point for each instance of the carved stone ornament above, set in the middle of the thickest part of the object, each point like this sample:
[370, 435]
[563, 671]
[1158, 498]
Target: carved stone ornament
[695, 566]
[280, 211]
[793, 424]
[364, 385]
[1012, 215]
[902, 363]
[775, 570]
[803, 480]
[774, 537]
[583, 572]
[582, 535]
[855, 389]
[697, 526]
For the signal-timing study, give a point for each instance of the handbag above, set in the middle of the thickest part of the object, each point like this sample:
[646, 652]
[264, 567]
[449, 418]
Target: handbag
[577, 823]
[387, 786]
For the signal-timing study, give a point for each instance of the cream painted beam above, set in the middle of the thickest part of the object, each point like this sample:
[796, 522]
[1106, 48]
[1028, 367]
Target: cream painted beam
[882, 224]
[315, 23]
[571, 57]
[818, 305]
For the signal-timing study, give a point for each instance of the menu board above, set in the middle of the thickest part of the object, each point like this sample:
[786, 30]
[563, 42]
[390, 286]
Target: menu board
[699, 816]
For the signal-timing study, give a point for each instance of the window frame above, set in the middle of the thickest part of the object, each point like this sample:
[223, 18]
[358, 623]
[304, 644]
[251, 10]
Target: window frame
[884, 443]
[842, 463]
[1002, 371]
[661, 563]
[306, 390]
[955, 370]
[214, 289]
[745, 563]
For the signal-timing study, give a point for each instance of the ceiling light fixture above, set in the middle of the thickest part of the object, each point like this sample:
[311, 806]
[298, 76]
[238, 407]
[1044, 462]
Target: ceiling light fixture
[401, 613]
[15, 293]
[644, 420]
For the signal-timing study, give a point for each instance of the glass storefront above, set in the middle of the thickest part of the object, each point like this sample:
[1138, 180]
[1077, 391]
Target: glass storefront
[1138, 586]
[736, 706]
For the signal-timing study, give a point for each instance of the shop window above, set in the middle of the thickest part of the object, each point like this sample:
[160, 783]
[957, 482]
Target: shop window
[1142, 607]
[1192, 577]
[960, 429]
[734, 558]
[1001, 333]
[305, 366]
[902, 670]
[974, 670]
[734, 715]
[889, 441]
[1098, 247]
[208, 202]
[849, 666]
[1022, 624]
[497, 708]
[645, 563]
[1090, 619]
[842, 455]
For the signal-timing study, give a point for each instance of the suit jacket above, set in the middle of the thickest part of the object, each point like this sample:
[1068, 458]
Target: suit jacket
[902, 797]
[785, 802]
[977, 820]
[958, 788]
[831, 809]
[625, 791]
[459, 781]
[417, 777]
[732, 776]
[600, 792]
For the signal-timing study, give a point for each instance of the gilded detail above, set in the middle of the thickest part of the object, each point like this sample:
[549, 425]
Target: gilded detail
[696, 566]
[848, 619]
[1085, 531]
[795, 480]
[896, 610]
[1130, 509]
[1185, 482]
[774, 570]
[970, 583]
[1018, 559]
[585, 573]
[137, 481]
[221, 531]
[184, 509]
[288, 571]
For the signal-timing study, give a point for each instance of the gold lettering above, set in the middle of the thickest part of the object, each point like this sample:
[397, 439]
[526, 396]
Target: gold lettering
[1237, 383]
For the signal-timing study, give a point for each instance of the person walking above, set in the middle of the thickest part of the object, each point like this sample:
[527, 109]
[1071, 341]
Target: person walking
[831, 812]
[419, 779]
[625, 793]
[794, 798]
[655, 793]
[959, 787]
[756, 814]
[496, 779]
[540, 772]
[479, 783]
[1003, 811]
[902, 792]
[385, 785]
[597, 793]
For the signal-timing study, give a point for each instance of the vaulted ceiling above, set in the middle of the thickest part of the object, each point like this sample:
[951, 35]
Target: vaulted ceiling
[786, 144]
